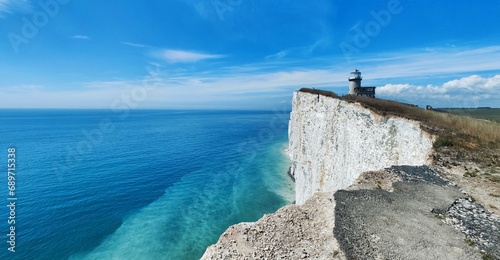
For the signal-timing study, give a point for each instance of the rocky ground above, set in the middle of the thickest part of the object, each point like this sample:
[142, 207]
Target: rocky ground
[399, 213]
[475, 171]
[414, 221]
[293, 232]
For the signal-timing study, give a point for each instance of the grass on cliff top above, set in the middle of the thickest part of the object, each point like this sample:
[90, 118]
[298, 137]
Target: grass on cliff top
[492, 114]
[462, 131]
[325, 93]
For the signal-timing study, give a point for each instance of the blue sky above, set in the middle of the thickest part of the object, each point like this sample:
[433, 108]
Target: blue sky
[242, 54]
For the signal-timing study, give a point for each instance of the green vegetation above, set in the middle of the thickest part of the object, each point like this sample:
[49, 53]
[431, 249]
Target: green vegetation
[469, 242]
[488, 114]
[320, 92]
[494, 195]
[442, 141]
[487, 256]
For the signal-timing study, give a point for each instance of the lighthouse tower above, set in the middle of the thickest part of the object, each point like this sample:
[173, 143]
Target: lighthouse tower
[354, 82]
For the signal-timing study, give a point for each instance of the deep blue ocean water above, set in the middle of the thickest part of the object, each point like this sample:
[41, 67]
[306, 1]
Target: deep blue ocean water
[140, 184]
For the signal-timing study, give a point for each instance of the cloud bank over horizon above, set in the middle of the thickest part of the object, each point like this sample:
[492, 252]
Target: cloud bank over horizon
[465, 92]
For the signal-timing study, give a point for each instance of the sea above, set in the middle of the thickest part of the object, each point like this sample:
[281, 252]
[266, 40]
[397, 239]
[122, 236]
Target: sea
[136, 184]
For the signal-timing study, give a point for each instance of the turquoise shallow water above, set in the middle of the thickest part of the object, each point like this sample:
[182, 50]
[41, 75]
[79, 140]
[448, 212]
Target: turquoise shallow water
[152, 184]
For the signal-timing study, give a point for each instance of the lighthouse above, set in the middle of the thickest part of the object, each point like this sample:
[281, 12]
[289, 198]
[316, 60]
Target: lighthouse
[355, 88]
[354, 82]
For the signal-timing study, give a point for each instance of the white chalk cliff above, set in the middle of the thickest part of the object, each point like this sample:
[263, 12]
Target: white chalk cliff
[331, 142]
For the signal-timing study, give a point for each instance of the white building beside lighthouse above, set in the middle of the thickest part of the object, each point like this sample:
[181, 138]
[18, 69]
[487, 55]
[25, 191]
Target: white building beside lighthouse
[355, 86]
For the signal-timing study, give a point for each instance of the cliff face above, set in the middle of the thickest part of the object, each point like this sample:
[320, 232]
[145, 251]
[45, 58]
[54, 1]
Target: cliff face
[331, 142]
[350, 202]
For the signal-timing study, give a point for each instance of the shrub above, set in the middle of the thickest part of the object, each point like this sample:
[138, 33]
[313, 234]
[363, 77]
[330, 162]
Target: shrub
[487, 256]
[442, 141]
[469, 242]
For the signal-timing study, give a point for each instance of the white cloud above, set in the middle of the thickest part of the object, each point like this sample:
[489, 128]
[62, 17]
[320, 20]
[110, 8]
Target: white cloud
[13, 6]
[138, 45]
[475, 84]
[80, 37]
[470, 91]
[394, 89]
[277, 56]
[176, 56]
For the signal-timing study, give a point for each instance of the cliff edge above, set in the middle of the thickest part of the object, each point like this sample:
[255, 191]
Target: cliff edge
[365, 189]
